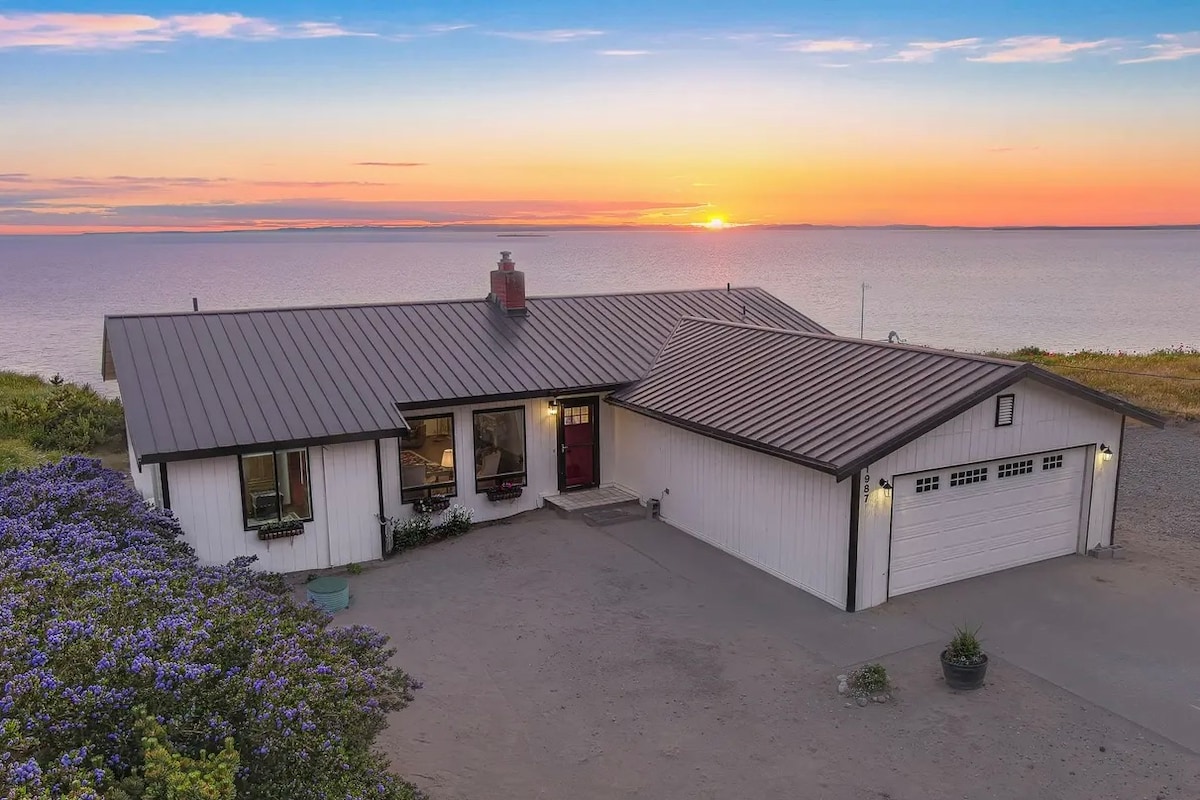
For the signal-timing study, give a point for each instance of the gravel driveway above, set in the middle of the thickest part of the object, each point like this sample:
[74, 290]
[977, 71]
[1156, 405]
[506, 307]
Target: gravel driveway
[637, 662]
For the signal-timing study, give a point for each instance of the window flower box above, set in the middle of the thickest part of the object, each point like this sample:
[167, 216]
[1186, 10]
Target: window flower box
[431, 505]
[280, 530]
[505, 491]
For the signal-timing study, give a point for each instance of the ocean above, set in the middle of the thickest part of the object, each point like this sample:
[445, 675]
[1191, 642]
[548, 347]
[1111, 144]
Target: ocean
[966, 290]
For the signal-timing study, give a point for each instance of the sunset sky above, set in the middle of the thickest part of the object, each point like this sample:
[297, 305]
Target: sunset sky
[178, 116]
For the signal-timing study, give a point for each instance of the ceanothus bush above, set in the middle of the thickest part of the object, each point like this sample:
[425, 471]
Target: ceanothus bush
[107, 619]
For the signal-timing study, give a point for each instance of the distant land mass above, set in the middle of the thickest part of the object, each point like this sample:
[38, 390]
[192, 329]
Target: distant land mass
[515, 231]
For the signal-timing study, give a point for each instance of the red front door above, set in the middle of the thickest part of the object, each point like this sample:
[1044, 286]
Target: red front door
[578, 453]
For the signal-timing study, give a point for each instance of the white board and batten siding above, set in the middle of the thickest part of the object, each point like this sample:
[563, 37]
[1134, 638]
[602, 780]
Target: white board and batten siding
[206, 498]
[1045, 421]
[541, 457]
[785, 519]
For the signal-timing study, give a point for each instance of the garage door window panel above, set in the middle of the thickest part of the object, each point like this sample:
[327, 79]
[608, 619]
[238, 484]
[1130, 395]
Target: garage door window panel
[928, 484]
[1052, 462]
[1014, 468]
[968, 476]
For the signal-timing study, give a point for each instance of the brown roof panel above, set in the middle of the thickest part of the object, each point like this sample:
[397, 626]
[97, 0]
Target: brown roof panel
[831, 403]
[204, 383]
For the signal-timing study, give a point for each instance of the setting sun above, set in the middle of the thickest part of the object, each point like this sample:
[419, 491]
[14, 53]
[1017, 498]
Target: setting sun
[715, 224]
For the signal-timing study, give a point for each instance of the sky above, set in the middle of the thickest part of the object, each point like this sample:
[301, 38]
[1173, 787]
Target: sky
[245, 115]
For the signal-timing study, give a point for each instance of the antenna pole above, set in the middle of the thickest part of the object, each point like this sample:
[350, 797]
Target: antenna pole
[862, 319]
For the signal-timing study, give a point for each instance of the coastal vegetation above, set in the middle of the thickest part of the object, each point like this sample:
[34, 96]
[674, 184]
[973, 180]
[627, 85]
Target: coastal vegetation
[129, 671]
[42, 420]
[1166, 381]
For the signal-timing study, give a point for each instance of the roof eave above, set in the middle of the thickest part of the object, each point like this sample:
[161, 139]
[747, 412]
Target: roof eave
[1109, 401]
[258, 447]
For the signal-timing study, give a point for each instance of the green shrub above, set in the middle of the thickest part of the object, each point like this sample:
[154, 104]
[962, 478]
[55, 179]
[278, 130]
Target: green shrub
[867, 680]
[965, 648]
[421, 528]
[354, 568]
[63, 417]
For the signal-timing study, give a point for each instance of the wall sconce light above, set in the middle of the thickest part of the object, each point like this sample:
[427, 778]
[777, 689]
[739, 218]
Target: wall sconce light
[887, 487]
[1105, 452]
[553, 405]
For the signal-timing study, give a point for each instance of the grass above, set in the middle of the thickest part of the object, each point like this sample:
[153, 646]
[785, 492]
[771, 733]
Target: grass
[18, 436]
[16, 454]
[1168, 383]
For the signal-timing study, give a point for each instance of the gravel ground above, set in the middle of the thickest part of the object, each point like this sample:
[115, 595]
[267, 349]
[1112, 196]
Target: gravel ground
[1158, 505]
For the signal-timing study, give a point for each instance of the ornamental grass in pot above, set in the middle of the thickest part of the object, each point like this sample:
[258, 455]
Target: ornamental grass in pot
[964, 664]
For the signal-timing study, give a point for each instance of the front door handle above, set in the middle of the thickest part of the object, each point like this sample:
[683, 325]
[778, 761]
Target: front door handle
[563, 449]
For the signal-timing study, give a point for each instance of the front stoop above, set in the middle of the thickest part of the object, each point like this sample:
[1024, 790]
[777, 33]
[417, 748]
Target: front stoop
[597, 506]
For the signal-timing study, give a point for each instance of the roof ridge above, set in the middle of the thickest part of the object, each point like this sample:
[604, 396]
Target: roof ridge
[913, 348]
[452, 301]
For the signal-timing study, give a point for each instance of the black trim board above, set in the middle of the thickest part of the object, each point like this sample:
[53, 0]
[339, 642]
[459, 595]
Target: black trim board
[267, 447]
[1112, 529]
[165, 486]
[852, 548]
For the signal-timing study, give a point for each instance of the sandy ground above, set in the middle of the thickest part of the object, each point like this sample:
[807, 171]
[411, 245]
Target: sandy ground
[635, 662]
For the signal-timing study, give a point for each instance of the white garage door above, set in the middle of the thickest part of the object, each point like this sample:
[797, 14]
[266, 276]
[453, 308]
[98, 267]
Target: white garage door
[956, 523]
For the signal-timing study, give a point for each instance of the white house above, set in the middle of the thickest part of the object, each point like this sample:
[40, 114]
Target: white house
[854, 470]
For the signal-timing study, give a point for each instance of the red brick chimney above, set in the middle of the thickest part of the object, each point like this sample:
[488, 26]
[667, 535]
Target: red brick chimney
[508, 286]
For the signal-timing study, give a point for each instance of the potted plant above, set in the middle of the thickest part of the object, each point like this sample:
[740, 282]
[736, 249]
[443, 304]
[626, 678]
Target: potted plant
[964, 664]
[280, 530]
[431, 505]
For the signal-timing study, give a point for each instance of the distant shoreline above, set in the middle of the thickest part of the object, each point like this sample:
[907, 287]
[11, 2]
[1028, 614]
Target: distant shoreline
[539, 231]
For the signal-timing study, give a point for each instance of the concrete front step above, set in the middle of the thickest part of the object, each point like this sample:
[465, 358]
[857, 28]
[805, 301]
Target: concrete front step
[577, 504]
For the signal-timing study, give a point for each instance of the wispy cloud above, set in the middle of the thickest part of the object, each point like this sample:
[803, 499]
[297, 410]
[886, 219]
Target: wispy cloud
[448, 28]
[624, 53]
[832, 65]
[554, 36]
[70, 31]
[828, 46]
[1039, 50]
[391, 164]
[921, 52]
[1169, 47]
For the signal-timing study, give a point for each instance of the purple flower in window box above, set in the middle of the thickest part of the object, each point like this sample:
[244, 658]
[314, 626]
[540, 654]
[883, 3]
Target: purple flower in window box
[505, 490]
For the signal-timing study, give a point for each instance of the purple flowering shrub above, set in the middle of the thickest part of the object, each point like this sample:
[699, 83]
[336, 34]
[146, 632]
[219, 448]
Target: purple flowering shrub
[105, 614]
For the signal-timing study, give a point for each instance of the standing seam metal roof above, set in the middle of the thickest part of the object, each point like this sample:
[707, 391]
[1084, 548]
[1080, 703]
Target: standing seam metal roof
[832, 403]
[203, 383]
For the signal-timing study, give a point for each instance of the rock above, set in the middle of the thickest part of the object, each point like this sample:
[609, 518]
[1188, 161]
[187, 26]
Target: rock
[843, 688]
[848, 705]
[841, 678]
[880, 698]
[1101, 748]
[861, 701]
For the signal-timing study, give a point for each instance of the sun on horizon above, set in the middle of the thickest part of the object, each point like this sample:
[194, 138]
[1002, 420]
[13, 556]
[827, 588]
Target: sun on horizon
[714, 224]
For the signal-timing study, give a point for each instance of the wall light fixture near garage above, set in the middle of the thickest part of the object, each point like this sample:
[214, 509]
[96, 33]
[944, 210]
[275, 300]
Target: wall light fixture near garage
[887, 487]
[1105, 452]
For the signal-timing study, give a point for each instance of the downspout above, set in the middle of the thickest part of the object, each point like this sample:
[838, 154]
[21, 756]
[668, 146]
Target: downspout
[383, 538]
[165, 485]
[852, 549]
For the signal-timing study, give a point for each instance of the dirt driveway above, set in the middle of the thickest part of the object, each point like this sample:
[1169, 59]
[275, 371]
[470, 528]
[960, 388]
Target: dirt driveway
[562, 661]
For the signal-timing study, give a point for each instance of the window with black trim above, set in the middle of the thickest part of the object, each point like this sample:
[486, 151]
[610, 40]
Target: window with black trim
[1052, 462]
[1014, 468]
[929, 484]
[427, 458]
[968, 476]
[275, 487]
[499, 436]
[1005, 407]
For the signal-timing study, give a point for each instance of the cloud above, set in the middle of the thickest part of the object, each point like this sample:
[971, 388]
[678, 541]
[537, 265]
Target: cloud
[1170, 47]
[390, 164]
[451, 28]
[555, 36]
[828, 46]
[624, 53]
[832, 65]
[920, 52]
[72, 31]
[1038, 50]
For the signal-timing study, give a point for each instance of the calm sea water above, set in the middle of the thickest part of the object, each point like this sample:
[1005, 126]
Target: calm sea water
[1061, 290]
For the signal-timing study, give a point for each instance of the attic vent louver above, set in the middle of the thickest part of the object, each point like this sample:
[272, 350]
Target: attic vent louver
[1004, 410]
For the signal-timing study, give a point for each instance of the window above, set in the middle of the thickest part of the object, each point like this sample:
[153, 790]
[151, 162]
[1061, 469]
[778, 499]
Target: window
[427, 459]
[577, 415]
[275, 487]
[1005, 404]
[1052, 462]
[967, 476]
[930, 484]
[499, 447]
[1014, 468]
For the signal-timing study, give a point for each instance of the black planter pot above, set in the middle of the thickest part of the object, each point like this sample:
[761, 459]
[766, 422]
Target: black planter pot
[960, 677]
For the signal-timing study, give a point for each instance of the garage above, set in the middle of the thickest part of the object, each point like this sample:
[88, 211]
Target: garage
[959, 522]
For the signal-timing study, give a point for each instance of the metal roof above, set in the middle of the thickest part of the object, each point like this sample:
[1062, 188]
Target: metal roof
[205, 383]
[831, 403]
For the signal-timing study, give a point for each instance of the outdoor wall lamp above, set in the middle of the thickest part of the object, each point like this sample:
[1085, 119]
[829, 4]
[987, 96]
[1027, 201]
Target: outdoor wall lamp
[887, 487]
[1105, 452]
[553, 405]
